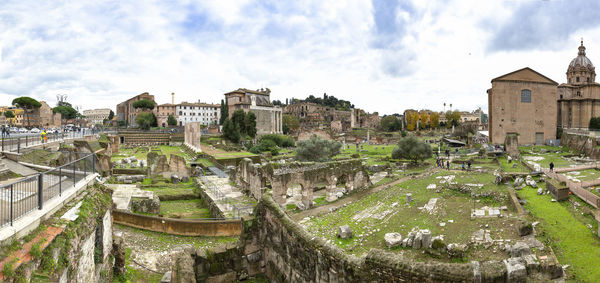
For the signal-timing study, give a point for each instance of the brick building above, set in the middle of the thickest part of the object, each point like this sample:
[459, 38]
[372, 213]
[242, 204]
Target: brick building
[126, 112]
[268, 116]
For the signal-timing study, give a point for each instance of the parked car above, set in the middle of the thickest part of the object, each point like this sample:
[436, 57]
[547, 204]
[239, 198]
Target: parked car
[23, 130]
[34, 130]
[14, 130]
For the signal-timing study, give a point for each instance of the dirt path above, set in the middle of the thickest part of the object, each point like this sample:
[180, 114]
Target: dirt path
[353, 197]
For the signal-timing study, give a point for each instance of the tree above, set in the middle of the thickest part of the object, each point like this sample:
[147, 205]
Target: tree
[171, 121]
[145, 120]
[111, 115]
[390, 123]
[434, 120]
[239, 120]
[289, 123]
[424, 120]
[9, 114]
[230, 132]
[452, 118]
[317, 149]
[250, 123]
[144, 104]
[66, 111]
[224, 111]
[411, 120]
[594, 123]
[28, 104]
[411, 148]
[277, 103]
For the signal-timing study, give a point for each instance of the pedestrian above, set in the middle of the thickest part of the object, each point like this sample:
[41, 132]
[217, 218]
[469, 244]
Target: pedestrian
[469, 165]
[43, 134]
[551, 166]
[448, 164]
[463, 166]
[3, 132]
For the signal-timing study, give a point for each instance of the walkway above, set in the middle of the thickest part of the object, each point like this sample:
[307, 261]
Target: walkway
[229, 199]
[353, 197]
[576, 188]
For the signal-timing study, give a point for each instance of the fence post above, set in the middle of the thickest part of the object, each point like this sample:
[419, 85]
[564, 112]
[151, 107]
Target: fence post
[59, 181]
[84, 168]
[11, 204]
[74, 181]
[26, 141]
[40, 190]
[93, 163]
[18, 145]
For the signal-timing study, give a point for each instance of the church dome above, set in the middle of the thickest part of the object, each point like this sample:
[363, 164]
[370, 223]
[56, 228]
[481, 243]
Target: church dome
[581, 60]
[581, 70]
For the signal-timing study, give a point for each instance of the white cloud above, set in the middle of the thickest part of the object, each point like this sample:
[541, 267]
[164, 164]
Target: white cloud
[101, 53]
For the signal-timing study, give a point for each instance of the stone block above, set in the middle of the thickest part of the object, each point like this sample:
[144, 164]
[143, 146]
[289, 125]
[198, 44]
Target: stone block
[426, 238]
[417, 241]
[515, 270]
[175, 179]
[392, 239]
[524, 228]
[185, 179]
[344, 232]
[519, 249]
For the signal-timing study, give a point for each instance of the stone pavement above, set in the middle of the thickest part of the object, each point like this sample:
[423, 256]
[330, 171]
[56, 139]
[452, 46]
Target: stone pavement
[228, 198]
[123, 193]
[18, 168]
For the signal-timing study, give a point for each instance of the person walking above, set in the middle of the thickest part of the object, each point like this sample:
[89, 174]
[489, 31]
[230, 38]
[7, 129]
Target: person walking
[463, 166]
[3, 131]
[551, 166]
[469, 165]
[448, 164]
[43, 135]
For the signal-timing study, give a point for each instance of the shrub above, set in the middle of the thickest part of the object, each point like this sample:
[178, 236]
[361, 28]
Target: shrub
[36, 249]
[594, 123]
[413, 149]
[145, 120]
[317, 149]
[279, 140]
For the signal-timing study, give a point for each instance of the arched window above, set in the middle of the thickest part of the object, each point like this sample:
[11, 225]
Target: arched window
[526, 96]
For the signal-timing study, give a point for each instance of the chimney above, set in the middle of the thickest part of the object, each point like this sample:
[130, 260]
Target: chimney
[172, 98]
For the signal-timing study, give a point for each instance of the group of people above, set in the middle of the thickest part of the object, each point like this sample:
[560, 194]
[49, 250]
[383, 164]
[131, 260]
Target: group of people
[439, 163]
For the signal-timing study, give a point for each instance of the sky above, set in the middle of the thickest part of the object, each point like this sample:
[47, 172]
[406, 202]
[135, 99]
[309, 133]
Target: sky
[383, 56]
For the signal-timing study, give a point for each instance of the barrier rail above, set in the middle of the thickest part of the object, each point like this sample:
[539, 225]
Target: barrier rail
[16, 144]
[23, 196]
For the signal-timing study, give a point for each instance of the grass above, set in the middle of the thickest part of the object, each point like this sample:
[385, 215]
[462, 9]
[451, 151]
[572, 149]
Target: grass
[585, 175]
[402, 218]
[171, 191]
[164, 242]
[507, 167]
[572, 241]
[187, 209]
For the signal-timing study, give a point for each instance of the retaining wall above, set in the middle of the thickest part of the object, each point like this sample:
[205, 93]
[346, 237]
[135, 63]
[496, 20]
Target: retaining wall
[181, 227]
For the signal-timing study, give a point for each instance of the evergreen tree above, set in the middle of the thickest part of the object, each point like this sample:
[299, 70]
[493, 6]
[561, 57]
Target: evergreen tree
[239, 120]
[250, 124]
[224, 111]
[230, 131]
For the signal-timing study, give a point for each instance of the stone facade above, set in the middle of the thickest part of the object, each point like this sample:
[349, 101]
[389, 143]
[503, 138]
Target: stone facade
[578, 100]
[96, 116]
[315, 116]
[162, 113]
[522, 102]
[126, 112]
[268, 116]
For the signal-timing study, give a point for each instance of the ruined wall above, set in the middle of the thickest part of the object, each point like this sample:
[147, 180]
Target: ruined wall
[252, 178]
[584, 144]
[304, 135]
[193, 133]
[81, 252]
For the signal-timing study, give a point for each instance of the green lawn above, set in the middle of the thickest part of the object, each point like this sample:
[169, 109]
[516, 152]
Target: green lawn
[572, 241]
[507, 167]
[188, 209]
[585, 175]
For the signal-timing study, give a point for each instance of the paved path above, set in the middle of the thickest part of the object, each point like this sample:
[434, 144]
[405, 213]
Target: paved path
[353, 197]
[18, 168]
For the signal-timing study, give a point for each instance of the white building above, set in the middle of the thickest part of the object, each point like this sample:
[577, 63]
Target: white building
[96, 116]
[207, 114]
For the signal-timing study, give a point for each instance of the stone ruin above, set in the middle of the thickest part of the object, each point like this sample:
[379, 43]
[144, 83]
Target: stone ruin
[157, 164]
[255, 178]
[192, 134]
[511, 146]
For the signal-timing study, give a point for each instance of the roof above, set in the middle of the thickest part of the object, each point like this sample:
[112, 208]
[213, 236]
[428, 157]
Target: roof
[525, 75]
[453, 141]
[197, 104]
[245, 90]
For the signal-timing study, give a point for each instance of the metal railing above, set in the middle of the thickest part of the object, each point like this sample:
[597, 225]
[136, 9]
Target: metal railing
[16, 144]
[21, 197]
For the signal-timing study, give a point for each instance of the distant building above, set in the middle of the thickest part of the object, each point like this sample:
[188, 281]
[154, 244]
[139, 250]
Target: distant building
[578, 100]
[96, 116]
[126, 112]
[522, 102]
[162, 113]
[206, 114]
[315, 116]
[268, 116]
[41, 117]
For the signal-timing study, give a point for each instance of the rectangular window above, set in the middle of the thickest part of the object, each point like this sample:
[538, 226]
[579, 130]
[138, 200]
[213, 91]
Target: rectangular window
[526, 96]
[577, 79]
